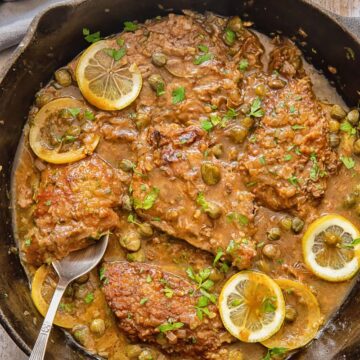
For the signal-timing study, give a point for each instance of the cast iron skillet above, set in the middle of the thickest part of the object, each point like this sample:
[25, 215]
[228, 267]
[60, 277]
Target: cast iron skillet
[56, 37]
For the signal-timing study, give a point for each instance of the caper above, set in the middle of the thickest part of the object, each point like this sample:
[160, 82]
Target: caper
[271, 251]
[63, 77]
[337, 112]
[138, 256]
[145, 230]
[81, 333]
[297, 225]
[290, 313]
[238, 134]
[276, 84]
[210, 173]
[247, 122]
[260, 90]
[157, 83]
[356, 147]
[334, 140]
[334, 126]
[216, 275]
[82, 279]
[350, 200]
[235, 24]
[73, 130]
[274, 233]
[43, 99]
[97, 326]
[213, 210]
[158, 59]
[126, 165]
[217, 150]
[131, 241]
[80, 292]
[146, 355]
[286, 222]
[69, 292]
[263, 266]
[133, 351]
[245, 108]
[353, 117]
[142, 120]
[126, 202]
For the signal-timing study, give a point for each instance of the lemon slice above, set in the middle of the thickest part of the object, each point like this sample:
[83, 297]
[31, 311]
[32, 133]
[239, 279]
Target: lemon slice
[107, 83]
[329, 248]
[48, 138]
[251, 306]
[302, 317]
[42, 288]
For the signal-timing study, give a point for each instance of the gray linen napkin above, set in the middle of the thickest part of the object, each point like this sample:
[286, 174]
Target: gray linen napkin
[15, 18]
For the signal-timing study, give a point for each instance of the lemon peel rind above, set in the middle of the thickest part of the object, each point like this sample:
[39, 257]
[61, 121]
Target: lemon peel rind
[327, 273]
[312, 302]
[98, 101]
[268, 330]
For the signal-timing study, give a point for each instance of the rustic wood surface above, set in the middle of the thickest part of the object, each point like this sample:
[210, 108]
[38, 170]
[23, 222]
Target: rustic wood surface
[8, 350]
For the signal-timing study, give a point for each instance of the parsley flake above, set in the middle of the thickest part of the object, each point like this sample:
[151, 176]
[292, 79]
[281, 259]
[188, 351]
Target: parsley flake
[89, 298]
[243, 65]
[149, 199]
[178, 95]
[129, 26]
[170, 326]
[256, 110]
[348, 161]
[91, 38]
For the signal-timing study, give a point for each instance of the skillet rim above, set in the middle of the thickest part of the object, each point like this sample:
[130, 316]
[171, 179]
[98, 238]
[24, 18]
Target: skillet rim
[28, 40]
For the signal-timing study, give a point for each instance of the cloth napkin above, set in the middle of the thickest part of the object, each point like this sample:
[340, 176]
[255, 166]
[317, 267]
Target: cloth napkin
[15, 18]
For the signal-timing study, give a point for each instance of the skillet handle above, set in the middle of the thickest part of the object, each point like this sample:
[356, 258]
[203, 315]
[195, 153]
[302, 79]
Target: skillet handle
[39, 349]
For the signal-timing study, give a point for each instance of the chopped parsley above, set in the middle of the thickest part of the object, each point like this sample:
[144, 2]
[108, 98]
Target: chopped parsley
[293, 180]
[74, 112]
[218, 256]
[200, 200]
[89, 115]
[201, 307]
[235, 303]
[314, 171]
[27, 242]
[268, 305]
[287, 157]
[352, 244]
[91, 38]
[144, 301]
[348, 128]
[255, 109]
[204, 56]
[168, 292]
[273, 352]
[203, 282]
[178, 95]
[298, 127]
[148, 279]
[348, 161]
[243, 65]
[240, 218]
[89, 298]
[207, 125]
[149, 199]
[116, 54]
[169, 326]
[129, 26]
[262, 160]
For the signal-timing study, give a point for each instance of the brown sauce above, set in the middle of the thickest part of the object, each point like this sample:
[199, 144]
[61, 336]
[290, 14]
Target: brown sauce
[166, 252]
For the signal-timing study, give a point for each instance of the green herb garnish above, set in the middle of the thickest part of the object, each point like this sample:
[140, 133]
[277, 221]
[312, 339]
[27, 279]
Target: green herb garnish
[91, 38]
[149, 199]
[256, 110]
[178, 95]
[170, 326]
[348, 161]
[129, 26]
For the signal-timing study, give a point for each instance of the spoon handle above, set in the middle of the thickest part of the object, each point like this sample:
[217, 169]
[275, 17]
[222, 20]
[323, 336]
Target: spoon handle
[39, 349]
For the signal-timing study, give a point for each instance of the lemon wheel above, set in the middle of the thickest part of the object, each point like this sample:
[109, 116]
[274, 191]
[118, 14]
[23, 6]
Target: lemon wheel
[330, 248]
[48, 138]
[251, 306]
[42, 288]
[107, 82]
[302, 317]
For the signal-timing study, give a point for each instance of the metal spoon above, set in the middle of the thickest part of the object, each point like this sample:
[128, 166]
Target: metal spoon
[70, 268]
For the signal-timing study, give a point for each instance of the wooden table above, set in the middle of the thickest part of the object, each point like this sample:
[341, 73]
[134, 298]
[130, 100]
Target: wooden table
[9, 350]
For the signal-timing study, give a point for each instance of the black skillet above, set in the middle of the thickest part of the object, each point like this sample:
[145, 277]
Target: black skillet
[55, 37]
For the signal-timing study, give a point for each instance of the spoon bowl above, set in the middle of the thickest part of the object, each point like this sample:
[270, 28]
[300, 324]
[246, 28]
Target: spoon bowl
[69, 268]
